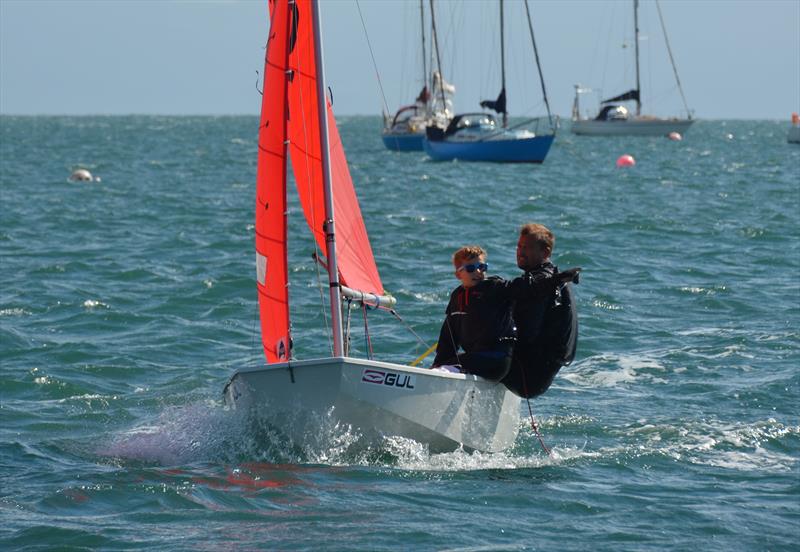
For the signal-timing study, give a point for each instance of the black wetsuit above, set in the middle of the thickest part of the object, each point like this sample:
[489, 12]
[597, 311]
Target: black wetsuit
[478, 320]
[547, 335]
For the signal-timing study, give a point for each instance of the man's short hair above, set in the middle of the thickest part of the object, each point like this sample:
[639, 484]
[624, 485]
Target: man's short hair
[467, 252]
[543, 236]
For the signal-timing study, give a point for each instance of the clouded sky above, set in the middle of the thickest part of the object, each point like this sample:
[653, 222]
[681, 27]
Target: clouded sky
[736, 58]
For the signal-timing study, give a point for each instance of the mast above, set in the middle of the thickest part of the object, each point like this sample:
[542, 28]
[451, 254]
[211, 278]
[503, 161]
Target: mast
[424, 57]
[636, 42]
[503, 61]
[438, 59]
[329, 229]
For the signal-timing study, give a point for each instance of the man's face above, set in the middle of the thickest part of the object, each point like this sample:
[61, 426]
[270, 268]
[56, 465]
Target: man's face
[530, 253]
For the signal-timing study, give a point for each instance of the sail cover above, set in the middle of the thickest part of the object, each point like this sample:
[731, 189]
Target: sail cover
[354, 254]
[289, 118]
[271, 258]
[499, 105]
[629, 95]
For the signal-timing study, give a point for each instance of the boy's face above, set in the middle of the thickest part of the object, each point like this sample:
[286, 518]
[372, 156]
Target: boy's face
[530, 253]
[475, 264]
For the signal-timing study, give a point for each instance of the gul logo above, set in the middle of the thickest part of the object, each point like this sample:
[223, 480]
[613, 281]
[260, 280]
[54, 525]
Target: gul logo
[391, 379]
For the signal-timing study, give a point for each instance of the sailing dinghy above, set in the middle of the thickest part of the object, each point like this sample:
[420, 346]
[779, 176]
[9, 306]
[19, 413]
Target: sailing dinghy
[376, 399]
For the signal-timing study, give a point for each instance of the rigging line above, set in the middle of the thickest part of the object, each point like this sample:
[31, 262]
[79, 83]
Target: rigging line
[538, 63]
[347, 330]
[258, 76]
[372, 55]
[408, 327]
[452, 339]
[370, 353]
[672, 60]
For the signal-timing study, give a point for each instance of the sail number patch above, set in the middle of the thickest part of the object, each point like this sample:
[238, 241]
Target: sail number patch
[392, 379]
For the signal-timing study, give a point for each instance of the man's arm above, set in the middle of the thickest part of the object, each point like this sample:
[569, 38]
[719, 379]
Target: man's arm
[532, 287]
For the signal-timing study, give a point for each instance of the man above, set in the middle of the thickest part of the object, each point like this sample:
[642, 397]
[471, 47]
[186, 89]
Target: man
[547, 329]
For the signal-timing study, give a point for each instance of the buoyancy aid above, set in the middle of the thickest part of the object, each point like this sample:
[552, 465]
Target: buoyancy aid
[547, 336]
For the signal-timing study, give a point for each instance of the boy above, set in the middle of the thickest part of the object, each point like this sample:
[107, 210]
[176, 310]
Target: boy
[478, 316]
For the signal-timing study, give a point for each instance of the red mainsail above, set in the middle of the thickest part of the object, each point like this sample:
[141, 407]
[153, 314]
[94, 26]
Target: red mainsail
[289, 113]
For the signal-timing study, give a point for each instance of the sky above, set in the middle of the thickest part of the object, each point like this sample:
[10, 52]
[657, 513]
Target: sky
[737, 59]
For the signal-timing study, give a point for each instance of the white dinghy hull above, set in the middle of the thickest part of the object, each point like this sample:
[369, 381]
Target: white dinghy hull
[378, 399]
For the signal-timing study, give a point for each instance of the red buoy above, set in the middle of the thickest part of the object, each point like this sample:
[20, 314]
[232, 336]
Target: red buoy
[626, 161]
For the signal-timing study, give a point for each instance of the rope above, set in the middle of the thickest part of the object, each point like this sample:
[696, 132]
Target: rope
[672, 60]
[372, 55]
[530, 413]
[409, 328]
[538, 64]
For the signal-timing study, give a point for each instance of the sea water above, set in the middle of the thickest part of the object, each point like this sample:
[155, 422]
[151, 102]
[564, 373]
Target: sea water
[127, 302]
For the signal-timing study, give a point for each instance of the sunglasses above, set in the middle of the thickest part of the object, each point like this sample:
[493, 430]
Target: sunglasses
[473, 267]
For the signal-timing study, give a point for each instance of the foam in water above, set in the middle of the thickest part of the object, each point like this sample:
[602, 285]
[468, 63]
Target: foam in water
[205, 431]
[628, 368]
[184, 434]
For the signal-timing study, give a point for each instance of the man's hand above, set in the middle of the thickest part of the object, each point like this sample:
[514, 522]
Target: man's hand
[569, 275]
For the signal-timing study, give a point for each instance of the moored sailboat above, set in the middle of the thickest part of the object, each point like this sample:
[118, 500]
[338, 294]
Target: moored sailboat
[433, 105]
[614, 119]
[479, 137]
[376, 399]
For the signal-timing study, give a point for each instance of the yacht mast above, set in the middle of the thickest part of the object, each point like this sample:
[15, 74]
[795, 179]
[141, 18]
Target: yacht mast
[328, 226]
[503, 62]
[438, 59]
[636, 42]
[424, 57]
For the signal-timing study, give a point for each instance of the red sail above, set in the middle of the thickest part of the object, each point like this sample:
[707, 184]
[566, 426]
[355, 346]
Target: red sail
[354, 253]
[271, 257]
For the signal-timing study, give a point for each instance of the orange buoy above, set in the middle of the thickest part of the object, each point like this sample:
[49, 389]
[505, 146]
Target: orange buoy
[675, 136]
[626, 161]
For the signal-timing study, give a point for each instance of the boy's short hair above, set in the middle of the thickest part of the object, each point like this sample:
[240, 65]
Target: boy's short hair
[541, 234]
[467, 252]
